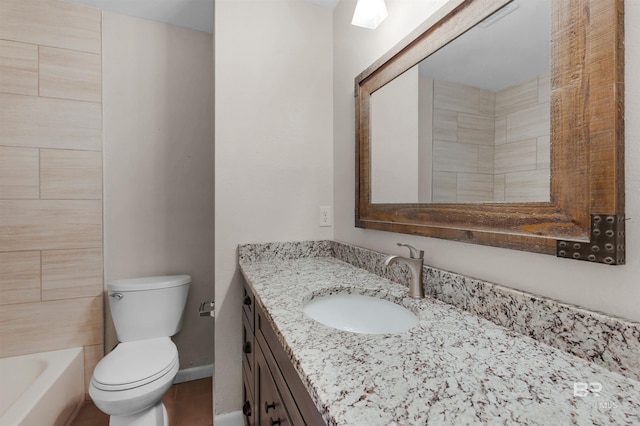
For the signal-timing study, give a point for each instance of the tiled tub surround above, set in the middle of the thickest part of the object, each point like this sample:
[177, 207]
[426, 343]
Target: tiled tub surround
[453, 368]
[51, 275]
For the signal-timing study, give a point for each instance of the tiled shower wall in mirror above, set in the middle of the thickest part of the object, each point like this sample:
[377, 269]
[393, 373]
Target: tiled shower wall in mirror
[491, 146]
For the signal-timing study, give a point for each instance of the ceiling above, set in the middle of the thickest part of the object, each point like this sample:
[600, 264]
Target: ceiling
[194, 14]
[507, 51]
[511, 50]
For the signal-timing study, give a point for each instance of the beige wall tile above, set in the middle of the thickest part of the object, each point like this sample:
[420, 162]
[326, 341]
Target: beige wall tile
[92, 355]
[498, 187]
[453, 96]
[478, 129]
[543, 157]
[455, 157]
[517, 97]
[445, 125]
[501, 130]
[50, 49]
[529, 123]
[544, 89]
[516, 156]
[486, 159]
[66, 174]
[474, 187]
[461, 98]
[527, 186]
[18, 67]
[19, 175]
[68, 274]
[51, 23]
[486, 102]
[444, 187]
[43, 326]
[69, 74]
[48, 224]
[19, 277]
[60, 123]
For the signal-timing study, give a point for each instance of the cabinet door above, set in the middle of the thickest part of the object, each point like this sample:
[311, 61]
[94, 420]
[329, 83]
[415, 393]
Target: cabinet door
[248, 303]
[248, 347]
[270, 408]
[294, 395]
[269, 376]
[249, 409]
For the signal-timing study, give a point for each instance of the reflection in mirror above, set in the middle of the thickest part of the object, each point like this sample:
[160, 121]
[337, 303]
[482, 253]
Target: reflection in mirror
[471, 122]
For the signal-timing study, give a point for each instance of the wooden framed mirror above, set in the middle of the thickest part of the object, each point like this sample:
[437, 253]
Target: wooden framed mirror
[582, 214]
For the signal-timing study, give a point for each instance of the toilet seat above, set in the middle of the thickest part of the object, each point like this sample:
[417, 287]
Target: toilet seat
[134, 364]
[134, 400]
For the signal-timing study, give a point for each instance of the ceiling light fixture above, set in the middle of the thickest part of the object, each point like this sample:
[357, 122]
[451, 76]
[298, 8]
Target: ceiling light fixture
[369, 13]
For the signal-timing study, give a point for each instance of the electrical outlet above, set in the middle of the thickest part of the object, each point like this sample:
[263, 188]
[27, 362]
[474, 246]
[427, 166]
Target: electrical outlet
[326, 219]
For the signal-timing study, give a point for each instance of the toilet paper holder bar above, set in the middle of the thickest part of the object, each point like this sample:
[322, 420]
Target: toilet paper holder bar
[207, 309]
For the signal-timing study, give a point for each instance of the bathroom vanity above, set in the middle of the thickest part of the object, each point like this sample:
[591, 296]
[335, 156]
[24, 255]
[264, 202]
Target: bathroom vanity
[454, 367]
[272, 390]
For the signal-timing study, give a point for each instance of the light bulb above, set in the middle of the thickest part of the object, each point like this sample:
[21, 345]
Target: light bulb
[369, 13]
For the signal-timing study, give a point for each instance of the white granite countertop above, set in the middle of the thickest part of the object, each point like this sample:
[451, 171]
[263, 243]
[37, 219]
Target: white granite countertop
[454, 368]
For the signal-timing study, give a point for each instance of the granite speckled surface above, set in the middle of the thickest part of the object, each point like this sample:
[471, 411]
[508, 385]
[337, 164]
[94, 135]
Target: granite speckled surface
[453, 368]
[611, 342]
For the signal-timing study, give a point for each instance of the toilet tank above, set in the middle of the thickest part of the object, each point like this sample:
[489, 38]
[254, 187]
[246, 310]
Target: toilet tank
[144, 308]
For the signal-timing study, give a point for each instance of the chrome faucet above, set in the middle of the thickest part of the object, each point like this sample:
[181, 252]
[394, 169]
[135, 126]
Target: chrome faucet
[414, 262]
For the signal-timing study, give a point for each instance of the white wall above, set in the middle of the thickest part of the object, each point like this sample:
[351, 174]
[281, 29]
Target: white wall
[273, 69]
[613, 290]
[276, 161]
[158, 164]
[395, 140]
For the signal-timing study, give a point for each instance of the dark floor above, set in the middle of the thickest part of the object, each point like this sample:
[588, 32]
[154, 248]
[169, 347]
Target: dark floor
[188, 404]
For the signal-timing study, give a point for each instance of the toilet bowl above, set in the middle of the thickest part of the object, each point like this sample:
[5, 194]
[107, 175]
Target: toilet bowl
[134, 376]
[128, 383]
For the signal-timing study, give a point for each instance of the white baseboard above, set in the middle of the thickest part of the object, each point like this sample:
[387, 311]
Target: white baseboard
[233, 418]
[194, 373]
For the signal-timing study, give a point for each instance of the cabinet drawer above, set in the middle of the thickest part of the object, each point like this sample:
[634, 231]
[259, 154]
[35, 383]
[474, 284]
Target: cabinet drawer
[248, 303]
[248, 347]
[273, 408]
[293, 391]
[248, 402]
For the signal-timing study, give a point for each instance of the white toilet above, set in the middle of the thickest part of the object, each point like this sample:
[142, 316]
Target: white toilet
[129, 382]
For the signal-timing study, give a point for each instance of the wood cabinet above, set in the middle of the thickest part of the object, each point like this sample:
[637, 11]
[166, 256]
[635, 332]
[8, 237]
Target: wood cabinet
[272, 390]
[248, 359]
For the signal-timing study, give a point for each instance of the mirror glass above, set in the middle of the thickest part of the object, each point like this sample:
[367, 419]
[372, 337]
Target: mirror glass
[471, 122]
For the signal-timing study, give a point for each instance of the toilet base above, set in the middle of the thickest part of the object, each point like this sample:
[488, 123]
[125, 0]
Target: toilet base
[154, 416]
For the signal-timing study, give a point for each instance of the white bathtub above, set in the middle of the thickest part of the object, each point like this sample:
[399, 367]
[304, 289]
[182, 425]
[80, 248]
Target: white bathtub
[41, 389]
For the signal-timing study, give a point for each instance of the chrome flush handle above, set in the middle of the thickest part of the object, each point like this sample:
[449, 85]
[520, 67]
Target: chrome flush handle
[117, 296]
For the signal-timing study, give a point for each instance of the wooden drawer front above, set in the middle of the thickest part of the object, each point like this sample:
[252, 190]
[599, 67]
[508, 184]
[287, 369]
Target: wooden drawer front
[248, 347]
[271, 406]
[292, 390]
[248, 405]
[248, 303]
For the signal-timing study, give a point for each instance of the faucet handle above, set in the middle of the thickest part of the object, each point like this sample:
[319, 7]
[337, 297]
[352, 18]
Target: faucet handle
[414, 253]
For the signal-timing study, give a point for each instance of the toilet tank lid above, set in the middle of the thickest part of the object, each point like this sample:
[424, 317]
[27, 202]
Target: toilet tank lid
[149, 283]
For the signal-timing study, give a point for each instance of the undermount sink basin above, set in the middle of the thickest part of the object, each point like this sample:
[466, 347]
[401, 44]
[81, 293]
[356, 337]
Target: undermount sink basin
[360, 314]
